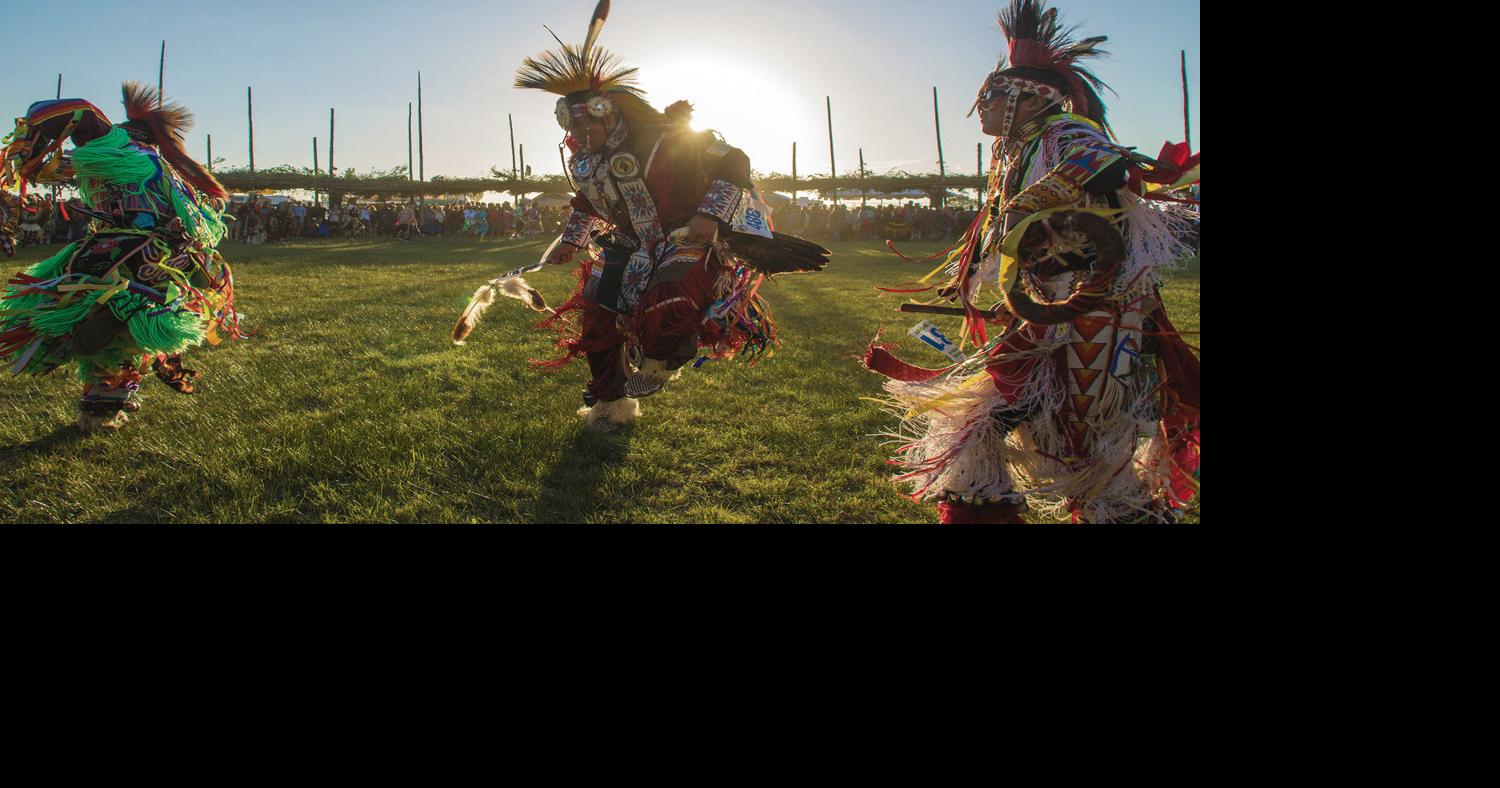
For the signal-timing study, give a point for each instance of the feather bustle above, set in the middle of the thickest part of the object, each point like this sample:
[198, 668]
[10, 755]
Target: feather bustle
[169, 124]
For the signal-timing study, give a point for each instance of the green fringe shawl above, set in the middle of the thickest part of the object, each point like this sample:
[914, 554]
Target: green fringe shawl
[114, 160]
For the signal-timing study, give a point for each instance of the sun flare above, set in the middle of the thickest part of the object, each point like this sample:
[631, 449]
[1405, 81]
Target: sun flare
[736, 99]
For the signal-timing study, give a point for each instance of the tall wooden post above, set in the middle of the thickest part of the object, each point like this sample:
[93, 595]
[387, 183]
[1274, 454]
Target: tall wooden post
[979, 164]
[1187, 132]
[937, 121]
[161, 74]
[411, 173]
[833, 167]
[316, 171]
[794, 173]
[512, 121]
[250, 114]
[421, 150]
[330, 142]
[523, 168]
[862, 192]
[210, 153]
[59, 85]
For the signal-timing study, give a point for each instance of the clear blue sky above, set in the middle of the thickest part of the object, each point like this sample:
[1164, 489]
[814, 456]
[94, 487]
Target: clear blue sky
[758, 72]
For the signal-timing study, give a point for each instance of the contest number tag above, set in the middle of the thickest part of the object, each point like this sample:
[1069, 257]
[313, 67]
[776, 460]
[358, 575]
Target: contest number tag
[929, 335]
[753, 218]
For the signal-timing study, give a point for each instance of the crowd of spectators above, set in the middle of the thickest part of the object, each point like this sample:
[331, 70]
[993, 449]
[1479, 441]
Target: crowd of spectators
[910, 222]
[258, 221]
[42, 222]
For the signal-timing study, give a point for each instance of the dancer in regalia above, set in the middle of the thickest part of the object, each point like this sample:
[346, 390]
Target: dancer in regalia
[1081, 400]
[146, 283]
[671, 241]
[10, 222]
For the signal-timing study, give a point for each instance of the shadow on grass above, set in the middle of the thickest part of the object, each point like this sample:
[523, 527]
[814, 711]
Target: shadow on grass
[570, 490]
[60, 438]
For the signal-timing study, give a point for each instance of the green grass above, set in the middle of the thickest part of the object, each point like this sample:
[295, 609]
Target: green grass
[350, 404]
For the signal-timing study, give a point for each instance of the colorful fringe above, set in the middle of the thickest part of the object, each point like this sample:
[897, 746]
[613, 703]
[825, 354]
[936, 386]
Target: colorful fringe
[41, 309]
[738, 325]
[1006, 422]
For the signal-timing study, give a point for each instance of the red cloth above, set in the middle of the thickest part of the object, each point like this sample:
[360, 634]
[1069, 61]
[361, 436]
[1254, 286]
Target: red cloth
[1176, 160]
[989, 514]
[879, 358]
[1011, 375]
[1181, 415]
[666, 331]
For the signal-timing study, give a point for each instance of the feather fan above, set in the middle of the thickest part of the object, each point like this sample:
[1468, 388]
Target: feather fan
[484, 298]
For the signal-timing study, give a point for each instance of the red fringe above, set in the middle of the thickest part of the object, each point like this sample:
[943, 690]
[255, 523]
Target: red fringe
[564, 322]
[892, 246]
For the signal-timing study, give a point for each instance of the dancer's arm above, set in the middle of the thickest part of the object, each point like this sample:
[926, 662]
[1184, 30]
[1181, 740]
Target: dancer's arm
[1087, 167]
[728, 170]
[581, 224]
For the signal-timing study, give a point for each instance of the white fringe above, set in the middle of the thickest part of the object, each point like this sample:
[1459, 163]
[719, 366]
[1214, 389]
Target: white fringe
[607, 416]
[1154, 235]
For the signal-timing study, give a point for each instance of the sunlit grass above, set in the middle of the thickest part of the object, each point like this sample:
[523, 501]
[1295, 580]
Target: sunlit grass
[349, 404]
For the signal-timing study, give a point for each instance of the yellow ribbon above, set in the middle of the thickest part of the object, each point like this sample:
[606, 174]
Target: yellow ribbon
[113, 291]
[969, 385]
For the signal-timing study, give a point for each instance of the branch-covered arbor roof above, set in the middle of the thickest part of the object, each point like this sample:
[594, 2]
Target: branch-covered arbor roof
[388, 185]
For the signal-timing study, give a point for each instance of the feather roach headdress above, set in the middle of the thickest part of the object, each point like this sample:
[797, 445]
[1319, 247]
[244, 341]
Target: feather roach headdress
[165, 126]
[592, 81]
[1044, 59]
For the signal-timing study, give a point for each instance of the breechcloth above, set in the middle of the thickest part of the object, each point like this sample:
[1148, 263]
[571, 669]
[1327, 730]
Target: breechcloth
[668, 324]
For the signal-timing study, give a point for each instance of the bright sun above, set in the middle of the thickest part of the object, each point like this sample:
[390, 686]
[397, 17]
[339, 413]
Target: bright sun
[739, 101]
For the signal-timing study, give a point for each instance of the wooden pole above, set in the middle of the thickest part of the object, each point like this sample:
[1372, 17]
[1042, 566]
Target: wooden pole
[59, 85]
[833, 168]
[330, 142]
[861, 177]
[937, 121]
[924, 309]
[210, 153]
[523, 169]
[512, 121]
[161, 73]
[316, 170]
[794, 171]
[250, 113]
[421, 149]
[1187, 132]
[979, 164]
[942, 165]
[411, 173]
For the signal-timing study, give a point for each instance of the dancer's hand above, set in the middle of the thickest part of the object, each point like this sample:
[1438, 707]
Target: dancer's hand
[562, 255]
[701, 230]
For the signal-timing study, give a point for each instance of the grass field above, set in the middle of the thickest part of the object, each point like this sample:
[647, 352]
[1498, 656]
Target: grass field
[350, 404]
